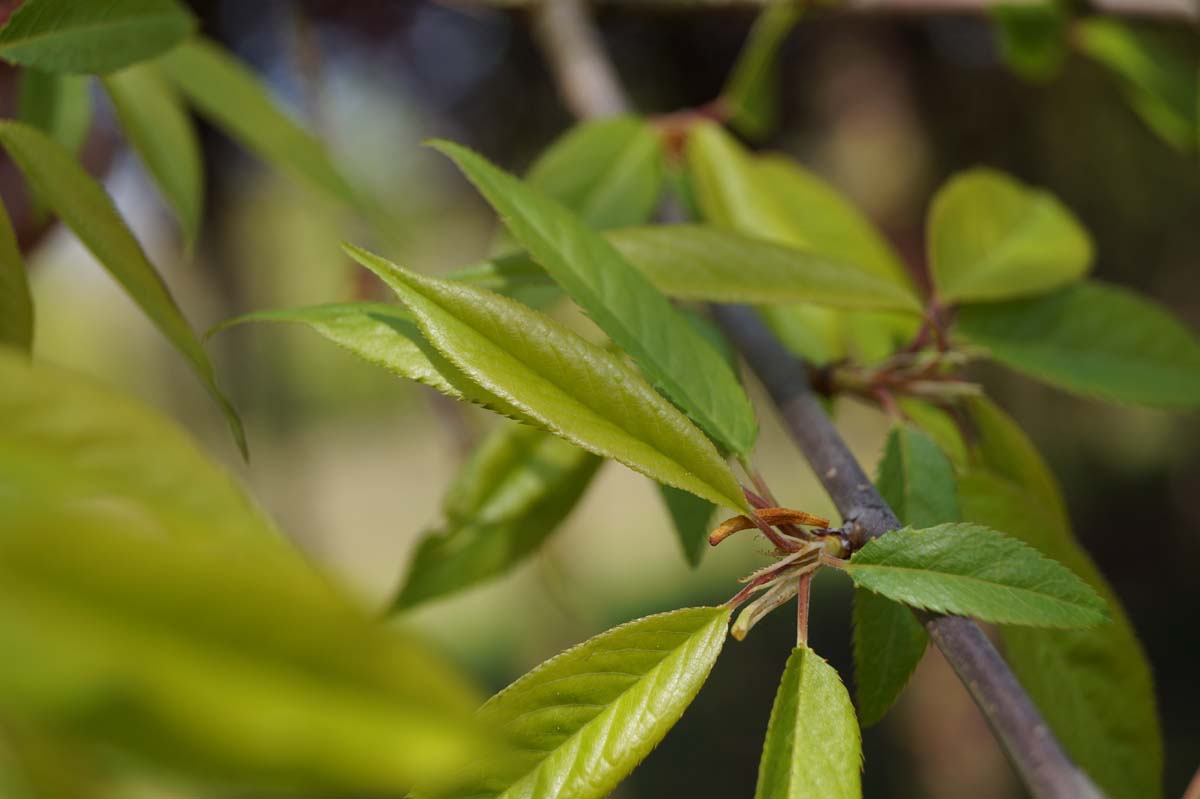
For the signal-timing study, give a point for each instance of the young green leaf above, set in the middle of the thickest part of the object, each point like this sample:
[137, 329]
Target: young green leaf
[231, 97]
[83, 447]
[690, 516]
[969, 570]
[191, 653]
[1094, 686]
[386, 336]
[16, 303]
[583, 720]
[569, 386]
[1032, 37]
[749, 97]
[813, 745]
[70, 36]
[609, 172]
[695, 262]
[774, 198]
[992, 238]
[518, 486]
[1161, 78]
[1093, 339]
[625, 305]
[60, 105]
[160, 130]
[81, 203]
[917, 481]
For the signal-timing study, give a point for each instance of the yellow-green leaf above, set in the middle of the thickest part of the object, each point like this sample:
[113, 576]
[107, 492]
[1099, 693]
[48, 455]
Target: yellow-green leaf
[749, 96]
[16, 304]
[82, 204]
[622, 302]
[1093, 339]
[60, 105]
[73, 36]
[571, 387]
[813, 746]
[992, 238]
[160, 130]
[517, 487]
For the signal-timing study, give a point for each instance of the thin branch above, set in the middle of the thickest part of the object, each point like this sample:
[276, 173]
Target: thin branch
[582, 67]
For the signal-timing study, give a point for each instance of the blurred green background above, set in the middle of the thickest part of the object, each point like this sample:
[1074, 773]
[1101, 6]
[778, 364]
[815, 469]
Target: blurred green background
[352, 462]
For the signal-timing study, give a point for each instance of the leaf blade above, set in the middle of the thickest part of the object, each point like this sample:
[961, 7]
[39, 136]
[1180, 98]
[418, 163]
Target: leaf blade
[750, 93]
[86, 208]
[16, 303]
[970, 570]
[676, 359]
[813, 745]
[67, 36]
[571, 387]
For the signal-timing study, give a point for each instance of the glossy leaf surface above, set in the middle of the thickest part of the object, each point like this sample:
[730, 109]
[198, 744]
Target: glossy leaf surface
[231, 97]
[583, 720]
[813, 745]
[571, 387]
[73, 36]
[83, 205]
[518, 486]
[1093, 339]
[609, 172]
[993, 238]
[622, 302]
[970, 570]
[160, 130]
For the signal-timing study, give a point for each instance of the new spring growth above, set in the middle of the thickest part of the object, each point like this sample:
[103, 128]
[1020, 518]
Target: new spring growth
[802, 553]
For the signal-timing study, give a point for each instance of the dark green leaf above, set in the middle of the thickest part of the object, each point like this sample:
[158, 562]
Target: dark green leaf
[917, 480]
[83, 206]
[583, 720]
[690, 515]
[518, 486]
[232, 98]
[569, 386]
[609, 172]
[159, 128]
[1094, 686]
[73, 36]
[749, 97]
[16, 304]
[1032, 37]
[992, 238]
[1161, 77]
[813, 746]
[60, 105]
[625, 305]
[969, 570]
[1093, 339]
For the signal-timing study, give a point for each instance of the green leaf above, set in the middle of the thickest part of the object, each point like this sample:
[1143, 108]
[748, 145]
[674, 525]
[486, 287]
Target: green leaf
[83, 448]
[231, 97]
[969, 570]
[572, 387]
[191, 652]
[517, 487]
[1160, 75]
[690, 516]
[1095, 687]
[775, 198]
[609, 172]
[750, 95]
[160, 130]
[70, 36]
[917, 481]
[992, 238]
[813, 745]
[583, 720]
[1032, 37]
[16, 303]
[60, 105]
[83, 206]
[625, 305]
[1093, 339]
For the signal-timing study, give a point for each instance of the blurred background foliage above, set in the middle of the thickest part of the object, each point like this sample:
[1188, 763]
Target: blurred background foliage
[353, 462]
